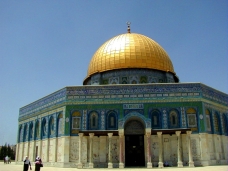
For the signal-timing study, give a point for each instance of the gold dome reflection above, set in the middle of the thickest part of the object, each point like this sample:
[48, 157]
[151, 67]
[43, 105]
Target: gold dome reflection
[130, 50]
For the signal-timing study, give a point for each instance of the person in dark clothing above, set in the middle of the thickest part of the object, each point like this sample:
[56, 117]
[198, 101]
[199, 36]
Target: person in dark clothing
[26, 164]
[38, 163]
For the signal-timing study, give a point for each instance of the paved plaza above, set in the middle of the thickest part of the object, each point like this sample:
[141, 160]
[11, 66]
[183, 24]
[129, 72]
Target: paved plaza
[13, 167]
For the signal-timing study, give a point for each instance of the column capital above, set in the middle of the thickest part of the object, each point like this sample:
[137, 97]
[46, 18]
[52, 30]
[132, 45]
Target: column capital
[178, 133]
[148, 134]
[110, 135]
[81, 134]
[91, 135]
[159, 133]
[189, 132]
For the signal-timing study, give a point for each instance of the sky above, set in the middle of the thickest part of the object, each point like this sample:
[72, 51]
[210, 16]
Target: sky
[47, 45]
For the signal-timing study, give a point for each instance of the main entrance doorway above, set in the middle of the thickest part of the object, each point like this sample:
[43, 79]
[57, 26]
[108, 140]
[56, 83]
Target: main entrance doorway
[134, 144]
[134, 150]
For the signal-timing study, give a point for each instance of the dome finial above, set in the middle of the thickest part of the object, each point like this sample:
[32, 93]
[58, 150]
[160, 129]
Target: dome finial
[128, 27]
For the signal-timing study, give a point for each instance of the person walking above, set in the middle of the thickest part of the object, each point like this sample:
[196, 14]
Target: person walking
[38, 163]
[7, 160]
[27, 164]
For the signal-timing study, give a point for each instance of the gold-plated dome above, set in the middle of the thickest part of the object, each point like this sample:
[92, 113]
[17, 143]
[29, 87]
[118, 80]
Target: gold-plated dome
[130, 50]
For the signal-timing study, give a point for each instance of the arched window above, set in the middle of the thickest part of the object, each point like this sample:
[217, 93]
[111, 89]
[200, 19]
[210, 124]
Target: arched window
[60, 125]
[208, 120]
[174, 119]
[155, 119]
[20, 134]
[37, 130]
[44, 128]
[224, 119]
[216, 122]
[191, 116]
[51, 126]
[93, 121]
[111, 120]
[31, 131]
[25, 132]
[76, 122]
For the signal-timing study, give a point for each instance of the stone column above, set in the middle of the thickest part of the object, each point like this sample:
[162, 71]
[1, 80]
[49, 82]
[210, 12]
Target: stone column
[179, 150]
[91, 150]
[191, 163]
[110, 164]
[80, 151]
[121, 164]
[160, 163]
[148, 136]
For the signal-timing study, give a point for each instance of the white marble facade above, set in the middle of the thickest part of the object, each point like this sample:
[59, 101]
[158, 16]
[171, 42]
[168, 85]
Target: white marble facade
[206, 149]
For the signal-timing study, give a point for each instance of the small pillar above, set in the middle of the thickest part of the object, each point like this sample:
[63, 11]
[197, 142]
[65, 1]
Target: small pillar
[121, 164]
[160, 163]
[191, 162]
[91, 150]
[148, 136]
[179, 150]
[110, 164]
[80, 151]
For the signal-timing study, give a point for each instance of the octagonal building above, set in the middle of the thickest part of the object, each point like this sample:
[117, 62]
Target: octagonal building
[131, 111]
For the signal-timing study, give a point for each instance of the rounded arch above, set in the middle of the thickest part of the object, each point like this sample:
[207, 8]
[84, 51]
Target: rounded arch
[44, 128]
[208, 119]
[51, 129]
[134, 114]
[20, 134]
[75, 122]
[60, 124]
[174, 118]
[155, 116]
[111, 120]
[216, 124]
[191, 118]
[31, 132]
[134, 126]
[93, 120]
[191, 111]
[37, 129]
[25, 132]
[225, 126]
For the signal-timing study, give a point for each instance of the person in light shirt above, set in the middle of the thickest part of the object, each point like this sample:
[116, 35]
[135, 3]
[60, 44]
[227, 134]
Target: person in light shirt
[26, 164]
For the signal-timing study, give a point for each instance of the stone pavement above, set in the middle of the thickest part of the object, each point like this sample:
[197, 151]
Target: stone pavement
[13, 167]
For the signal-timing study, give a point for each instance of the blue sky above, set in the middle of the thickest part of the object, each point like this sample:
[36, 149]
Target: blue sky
[47, 45]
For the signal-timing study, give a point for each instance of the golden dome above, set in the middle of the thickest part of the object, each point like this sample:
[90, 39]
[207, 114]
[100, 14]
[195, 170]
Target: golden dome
[130, 50]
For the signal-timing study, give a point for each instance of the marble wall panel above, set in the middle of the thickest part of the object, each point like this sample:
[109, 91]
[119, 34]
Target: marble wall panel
[218, 149]
[184, 143]
[84, 150]
[173, 150]
[20, 155]
[59, 150]
[44, 151]
[74, 149]
[50, 150]
[96, 149]
[166, 147]
[31, 151]
[25, 151]
[211, 147]
[115, 149]
[103, 148]
[196, 151]
[154, 147]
